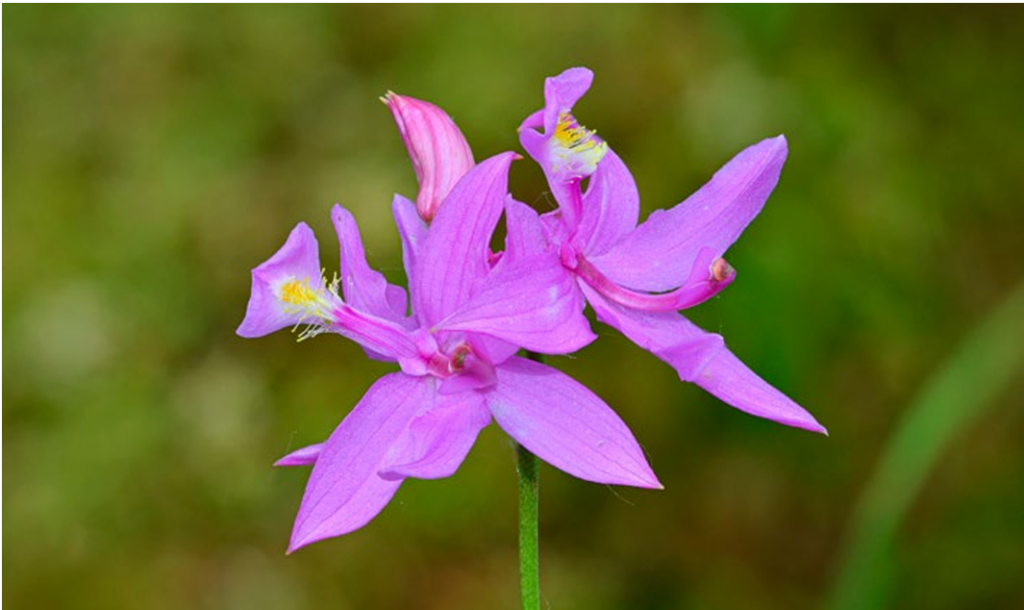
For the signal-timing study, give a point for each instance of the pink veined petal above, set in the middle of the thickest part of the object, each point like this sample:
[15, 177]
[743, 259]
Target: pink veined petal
[702, 358]
[660, 253]
[305, 456]
[611, 206]
[363, 287]
[298, 259]
[454, 254]
[566, 425]
[439, 152]
[530, 302]
[344, 491]
[439, 440]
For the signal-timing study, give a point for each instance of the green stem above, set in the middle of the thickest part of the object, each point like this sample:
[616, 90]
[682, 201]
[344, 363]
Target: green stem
[529, 562]
[528, 467]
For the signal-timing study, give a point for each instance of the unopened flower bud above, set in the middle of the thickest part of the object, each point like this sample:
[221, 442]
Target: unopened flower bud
[439, 152]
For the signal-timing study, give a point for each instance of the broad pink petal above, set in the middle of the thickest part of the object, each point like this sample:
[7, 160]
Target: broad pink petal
[566, 425]
[305, 456]
[363, 287]
[298, 259]
[660, 253]
[530, 302]
[454, 254]
[345, 491]
[439, 152]
[702, 358]
[611, 206]
[437, 441]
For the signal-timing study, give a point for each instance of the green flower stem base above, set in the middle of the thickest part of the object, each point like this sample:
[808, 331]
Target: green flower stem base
[529, 562]
[528, 467]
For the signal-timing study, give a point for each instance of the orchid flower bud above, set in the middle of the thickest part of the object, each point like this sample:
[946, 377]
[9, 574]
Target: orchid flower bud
[439, 152]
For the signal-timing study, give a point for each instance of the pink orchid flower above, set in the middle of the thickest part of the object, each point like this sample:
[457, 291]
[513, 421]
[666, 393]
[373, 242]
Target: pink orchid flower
[637, 278]
[455, 350]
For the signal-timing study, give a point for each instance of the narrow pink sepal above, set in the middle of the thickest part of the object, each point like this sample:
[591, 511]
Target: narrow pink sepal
[702, 358]
[362, 287]
[567, 425]
[305, 456]
[439, 152]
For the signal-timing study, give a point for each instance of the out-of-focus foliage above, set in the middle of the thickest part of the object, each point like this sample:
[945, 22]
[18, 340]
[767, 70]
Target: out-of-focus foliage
[153, 155]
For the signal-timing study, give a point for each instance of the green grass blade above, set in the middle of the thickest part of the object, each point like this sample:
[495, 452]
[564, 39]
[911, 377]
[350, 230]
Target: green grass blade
[959, 393]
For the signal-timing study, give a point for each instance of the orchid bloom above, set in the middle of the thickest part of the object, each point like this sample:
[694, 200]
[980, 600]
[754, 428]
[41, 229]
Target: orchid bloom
[637, 278]
[439, 152]
[455, 350]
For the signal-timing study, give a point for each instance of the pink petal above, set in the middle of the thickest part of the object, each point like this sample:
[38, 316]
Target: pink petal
[524, 232]
[439, 440]
[439, 152]
[413, 231]
[611, 206]
[702, 358]
[363, 287]
[530, 302]
[660, 253]
[455, 253]
[298, 259]
[560, 94]
[566, 425]
[344, 490]
[302, 457]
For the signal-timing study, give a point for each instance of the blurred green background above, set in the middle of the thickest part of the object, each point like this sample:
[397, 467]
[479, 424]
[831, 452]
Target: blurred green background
[153, 155]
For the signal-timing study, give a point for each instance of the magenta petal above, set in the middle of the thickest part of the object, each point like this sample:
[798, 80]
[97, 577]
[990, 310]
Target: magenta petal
[566, 425]
[660, 253]
[611, 206]
[531, 302]
[455, 252]
[438, 440]
[524, 231]
[344, 490]
[364, 288]
[702, 358]
[562, 92]
[439, 152]
[413, 231]
[298, 259]
[302, 457]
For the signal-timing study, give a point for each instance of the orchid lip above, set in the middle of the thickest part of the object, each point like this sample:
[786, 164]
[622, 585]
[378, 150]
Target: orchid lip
[709, 276]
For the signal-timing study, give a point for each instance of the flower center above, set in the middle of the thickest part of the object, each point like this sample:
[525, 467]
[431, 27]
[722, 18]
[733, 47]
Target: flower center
[576, 149]
[314, 306]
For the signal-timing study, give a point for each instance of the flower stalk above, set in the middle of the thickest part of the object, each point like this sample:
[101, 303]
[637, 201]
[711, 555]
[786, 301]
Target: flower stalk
[528, 467]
